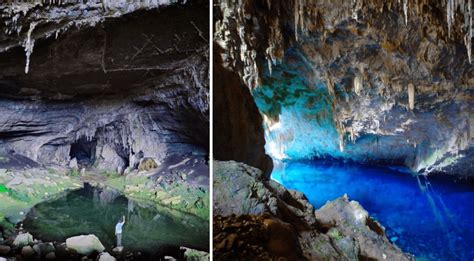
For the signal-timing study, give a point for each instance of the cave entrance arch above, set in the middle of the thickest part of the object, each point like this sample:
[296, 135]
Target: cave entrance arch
[84, 150]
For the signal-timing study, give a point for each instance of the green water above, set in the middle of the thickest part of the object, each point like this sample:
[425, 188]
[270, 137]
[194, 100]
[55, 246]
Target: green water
[91, 210]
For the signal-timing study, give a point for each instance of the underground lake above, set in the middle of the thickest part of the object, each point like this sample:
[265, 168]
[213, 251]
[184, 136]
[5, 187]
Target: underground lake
[430, 217]
[149, 229]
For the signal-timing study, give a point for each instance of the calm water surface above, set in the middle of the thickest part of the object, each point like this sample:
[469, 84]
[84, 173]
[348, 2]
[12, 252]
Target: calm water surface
[91, 210]
[431, 218]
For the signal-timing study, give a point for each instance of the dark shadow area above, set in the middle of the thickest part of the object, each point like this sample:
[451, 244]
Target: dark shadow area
[84, 151]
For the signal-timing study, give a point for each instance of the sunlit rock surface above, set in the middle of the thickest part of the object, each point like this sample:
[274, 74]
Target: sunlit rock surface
[105, 84]
[388, 81]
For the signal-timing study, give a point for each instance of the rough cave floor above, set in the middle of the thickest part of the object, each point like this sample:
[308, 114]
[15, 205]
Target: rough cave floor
[428, 217]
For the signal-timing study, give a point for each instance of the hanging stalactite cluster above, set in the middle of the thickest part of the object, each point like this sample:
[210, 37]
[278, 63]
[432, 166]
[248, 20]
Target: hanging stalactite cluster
[452, 6]
[374, 59]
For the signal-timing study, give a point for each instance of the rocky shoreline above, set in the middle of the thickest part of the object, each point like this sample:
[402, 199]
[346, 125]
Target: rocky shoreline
[20, 245]
[183, 187]
[177, 184]
[258, 218]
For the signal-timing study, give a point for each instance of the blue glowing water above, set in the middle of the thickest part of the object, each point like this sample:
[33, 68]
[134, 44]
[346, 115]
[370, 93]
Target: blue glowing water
[430, 218]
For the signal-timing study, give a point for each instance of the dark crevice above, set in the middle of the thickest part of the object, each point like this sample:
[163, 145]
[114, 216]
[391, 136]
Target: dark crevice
[84, 151]
[375, 226]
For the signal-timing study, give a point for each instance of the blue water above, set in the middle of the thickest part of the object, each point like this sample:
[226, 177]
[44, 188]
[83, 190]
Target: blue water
[432, 218]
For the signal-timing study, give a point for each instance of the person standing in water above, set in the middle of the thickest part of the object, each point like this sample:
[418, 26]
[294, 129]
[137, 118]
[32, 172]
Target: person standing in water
[118, 231]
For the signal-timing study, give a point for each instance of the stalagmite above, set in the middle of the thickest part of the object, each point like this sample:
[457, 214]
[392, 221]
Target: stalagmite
[341, 143]
[29, 45]
[330, 84]
[411, 96]
[358, 84]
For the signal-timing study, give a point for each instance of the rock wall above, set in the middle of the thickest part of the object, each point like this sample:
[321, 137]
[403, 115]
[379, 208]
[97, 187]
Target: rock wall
[383, 81]
[238, 131]
[105, 83]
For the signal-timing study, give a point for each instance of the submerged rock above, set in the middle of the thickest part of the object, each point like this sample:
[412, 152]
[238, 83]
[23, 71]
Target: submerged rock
[85, 244]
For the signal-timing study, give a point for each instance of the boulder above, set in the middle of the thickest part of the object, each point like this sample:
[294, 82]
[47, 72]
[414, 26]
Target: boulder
[108, 158]
[85, 244]
[106, 257]
[44, 248]
[27, 251]
[118, 250]
[73, 164]
[23, 240]
[4, 250]
[194, 255]
[50, 256]
[147, 164]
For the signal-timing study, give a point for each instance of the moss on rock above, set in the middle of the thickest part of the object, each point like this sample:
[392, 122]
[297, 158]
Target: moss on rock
[147, 164]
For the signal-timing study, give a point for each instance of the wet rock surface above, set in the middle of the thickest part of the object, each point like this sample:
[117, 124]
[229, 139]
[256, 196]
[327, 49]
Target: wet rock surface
[370, 81]
[254, 216]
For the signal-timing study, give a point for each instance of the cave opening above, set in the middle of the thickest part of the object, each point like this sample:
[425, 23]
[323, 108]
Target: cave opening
[84, 150]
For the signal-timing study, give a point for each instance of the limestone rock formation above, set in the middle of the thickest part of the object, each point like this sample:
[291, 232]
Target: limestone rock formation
[104, 83]
[238, 131]
[261, 219]
[85, 244]
[383, 81]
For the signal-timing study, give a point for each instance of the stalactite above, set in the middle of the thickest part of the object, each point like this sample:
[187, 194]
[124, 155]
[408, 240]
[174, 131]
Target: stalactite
[29, 45]
[468, 25]
[358, 80]
[356, 7]
[297, 18]
[450, 15]
[269, 61]
[330, 84]
[357, 84]
[411, 96]
[405, 10]
[341, 143]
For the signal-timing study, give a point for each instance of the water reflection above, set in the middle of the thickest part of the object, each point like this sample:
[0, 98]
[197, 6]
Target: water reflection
[93, 210]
